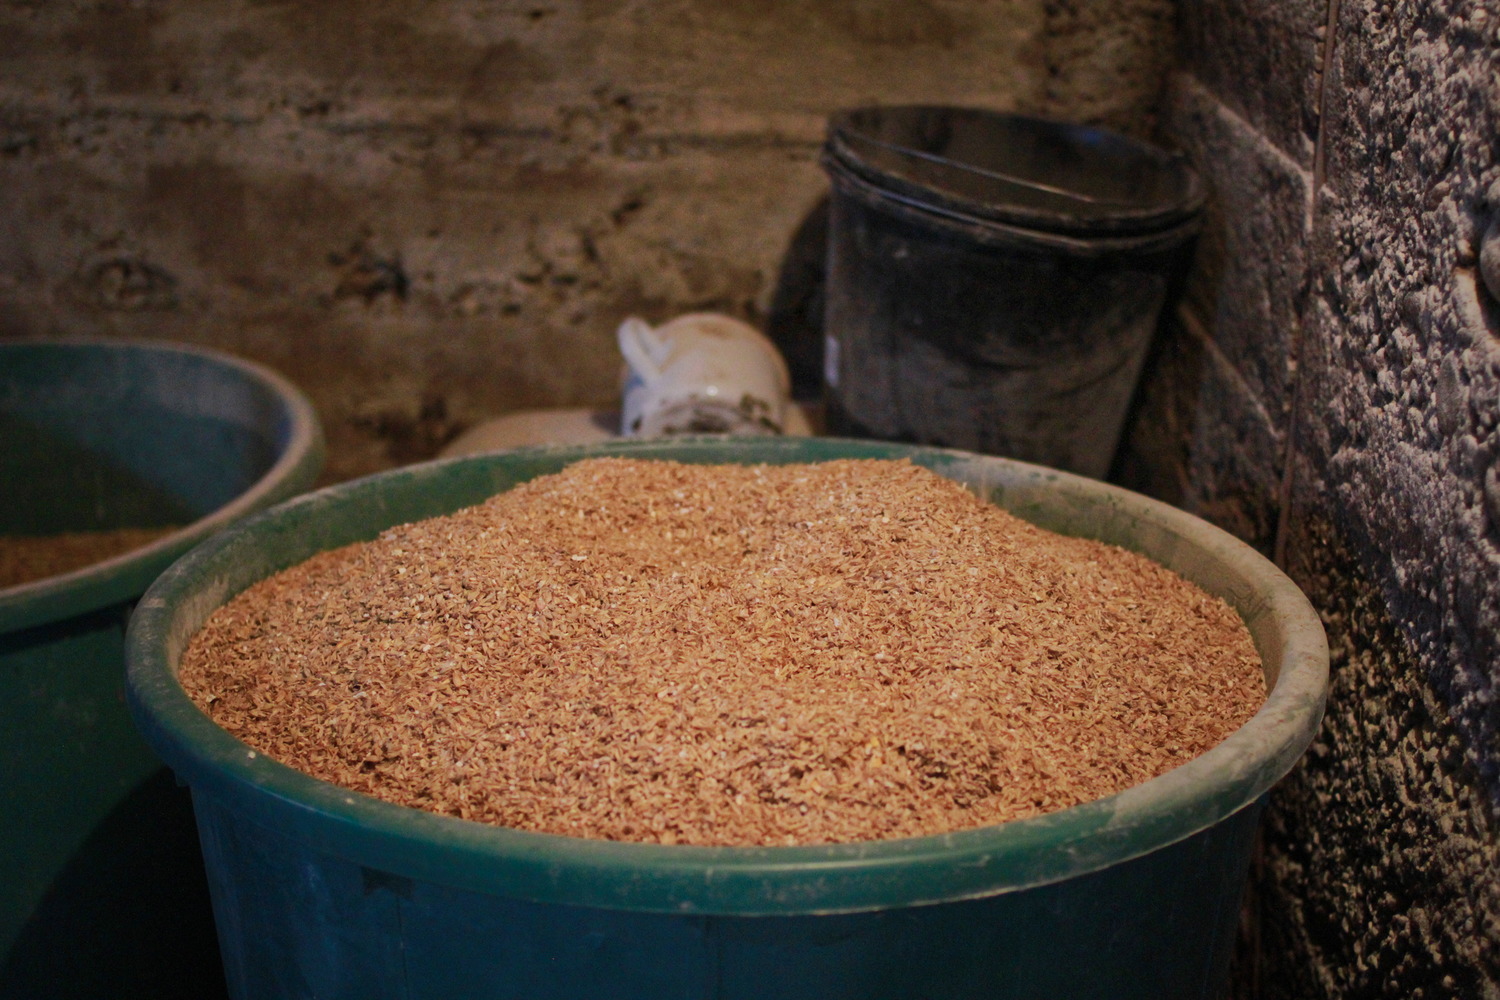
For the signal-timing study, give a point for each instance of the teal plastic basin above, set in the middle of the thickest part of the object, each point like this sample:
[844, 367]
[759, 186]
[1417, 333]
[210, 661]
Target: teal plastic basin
[322, 892]
[101, 861]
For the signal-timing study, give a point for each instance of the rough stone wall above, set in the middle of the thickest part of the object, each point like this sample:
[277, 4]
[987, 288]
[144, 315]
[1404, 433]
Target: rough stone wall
[1332, 393]
[425, 213]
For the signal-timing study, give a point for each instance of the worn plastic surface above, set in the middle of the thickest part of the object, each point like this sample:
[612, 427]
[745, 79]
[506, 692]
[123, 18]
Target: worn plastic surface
[103, 893]
[320, 892]
[1041, 176]
[994, 281]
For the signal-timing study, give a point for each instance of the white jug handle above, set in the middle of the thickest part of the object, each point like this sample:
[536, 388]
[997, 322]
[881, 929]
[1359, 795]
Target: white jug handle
[644, 351]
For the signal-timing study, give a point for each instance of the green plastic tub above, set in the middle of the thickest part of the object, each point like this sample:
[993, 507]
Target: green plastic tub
[103, 893]
[321, 892]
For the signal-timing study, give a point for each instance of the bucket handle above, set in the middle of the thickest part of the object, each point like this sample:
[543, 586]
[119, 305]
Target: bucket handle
[644, 351]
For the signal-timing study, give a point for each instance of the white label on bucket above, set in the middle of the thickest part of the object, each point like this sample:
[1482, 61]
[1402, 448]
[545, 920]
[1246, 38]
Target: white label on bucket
[830, 360]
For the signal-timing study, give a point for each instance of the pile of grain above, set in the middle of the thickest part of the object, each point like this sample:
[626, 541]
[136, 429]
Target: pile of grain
[651, 651]
[27, 558]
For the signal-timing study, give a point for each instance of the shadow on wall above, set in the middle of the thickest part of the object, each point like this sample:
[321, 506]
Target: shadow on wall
[1155, 449]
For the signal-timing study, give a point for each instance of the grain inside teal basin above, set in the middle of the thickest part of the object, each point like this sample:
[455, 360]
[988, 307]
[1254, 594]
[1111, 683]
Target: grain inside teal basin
[103, 891]
[321, 892]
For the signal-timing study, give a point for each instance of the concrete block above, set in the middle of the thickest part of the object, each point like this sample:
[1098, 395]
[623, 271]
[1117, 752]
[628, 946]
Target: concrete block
[1154, 445]
[1263, 60]
[1198, 438]
[1234, 458]
[1249, 272]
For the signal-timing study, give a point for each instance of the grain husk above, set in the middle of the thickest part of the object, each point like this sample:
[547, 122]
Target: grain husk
[28, 558]
[733, 655]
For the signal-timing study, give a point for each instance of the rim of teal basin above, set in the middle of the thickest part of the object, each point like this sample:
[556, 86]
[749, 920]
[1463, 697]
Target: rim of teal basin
[744, 881]
[126, 576]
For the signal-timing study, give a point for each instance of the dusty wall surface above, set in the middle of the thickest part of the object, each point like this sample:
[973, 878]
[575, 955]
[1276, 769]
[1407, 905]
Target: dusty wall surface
[427, 213]
[1331, 394]
[1106, 61]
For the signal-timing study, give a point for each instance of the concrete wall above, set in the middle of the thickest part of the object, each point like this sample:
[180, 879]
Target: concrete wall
[426, 213]
[1331, 393]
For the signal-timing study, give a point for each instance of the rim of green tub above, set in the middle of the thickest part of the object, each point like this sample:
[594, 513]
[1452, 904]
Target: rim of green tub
[742, 881]
[127, 575]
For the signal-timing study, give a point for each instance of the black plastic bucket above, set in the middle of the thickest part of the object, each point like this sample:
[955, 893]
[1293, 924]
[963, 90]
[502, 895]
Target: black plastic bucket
[994, 280]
